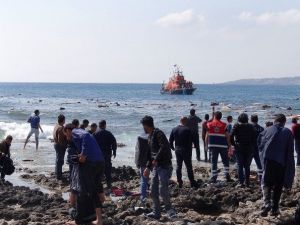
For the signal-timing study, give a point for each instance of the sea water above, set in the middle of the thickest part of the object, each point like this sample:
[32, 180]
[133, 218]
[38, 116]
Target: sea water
[122, 106]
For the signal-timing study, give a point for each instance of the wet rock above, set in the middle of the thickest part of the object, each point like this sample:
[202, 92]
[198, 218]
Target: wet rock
[289, 108]
[103, 106]
[121, 145]
[62, 108]
[264, 107]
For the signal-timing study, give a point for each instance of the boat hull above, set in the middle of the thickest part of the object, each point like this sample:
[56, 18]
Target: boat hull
[182, 91]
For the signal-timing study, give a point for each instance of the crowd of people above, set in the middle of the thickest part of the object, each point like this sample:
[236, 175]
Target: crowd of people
[90, 153]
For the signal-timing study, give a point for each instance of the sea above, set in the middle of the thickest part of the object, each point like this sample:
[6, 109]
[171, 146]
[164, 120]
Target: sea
[122, 106]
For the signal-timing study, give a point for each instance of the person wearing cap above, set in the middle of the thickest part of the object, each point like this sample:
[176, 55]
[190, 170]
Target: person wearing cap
[5, 152]
[108, 144]
[182, 136]
[193, 124]
[35, 125]
[276, 148]
[60, 145]
[160, 163]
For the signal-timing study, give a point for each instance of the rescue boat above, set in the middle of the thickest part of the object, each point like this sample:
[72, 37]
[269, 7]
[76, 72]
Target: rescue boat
[177, 85]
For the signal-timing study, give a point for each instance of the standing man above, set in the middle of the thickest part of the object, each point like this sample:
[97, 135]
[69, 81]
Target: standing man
[5, 151]
[193, 124]
[258, 130]
[276, 148]
[296, 133]
[85, 124]
[91, 162]
[218, 142]
[34, 121]
[60, 145]
[182, 136]
[160, 162]
[204, 132]
[108, 144]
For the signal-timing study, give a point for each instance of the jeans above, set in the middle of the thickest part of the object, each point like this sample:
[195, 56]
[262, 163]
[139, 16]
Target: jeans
[36, 133]
[244, 157]
[186, 157]
[60, 157]
[195, 140]
[297, 148]
[160, 186]
[258, 164]
[272, 183]
[144, 183]
[108, 168]
[215, 151]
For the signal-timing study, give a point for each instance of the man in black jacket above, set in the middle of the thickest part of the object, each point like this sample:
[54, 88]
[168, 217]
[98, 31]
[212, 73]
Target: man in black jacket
[193, 124]
[4, 152]
[182, 136]
[160, 161]
[108, 145]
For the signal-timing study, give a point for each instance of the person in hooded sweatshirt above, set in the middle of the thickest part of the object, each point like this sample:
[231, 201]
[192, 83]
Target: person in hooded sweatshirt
[142, 151]
[243, 139]
[276, 148]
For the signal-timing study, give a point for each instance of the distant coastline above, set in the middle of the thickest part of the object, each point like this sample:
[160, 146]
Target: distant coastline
[267, 81]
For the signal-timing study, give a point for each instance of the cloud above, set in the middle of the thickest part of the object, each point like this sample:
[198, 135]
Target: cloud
[180, 19]
[290, 16]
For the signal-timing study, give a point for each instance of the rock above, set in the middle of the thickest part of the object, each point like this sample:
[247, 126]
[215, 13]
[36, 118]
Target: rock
[264, 107]
[121, 145]
[289, 108]
[103, 106]
[62, 108]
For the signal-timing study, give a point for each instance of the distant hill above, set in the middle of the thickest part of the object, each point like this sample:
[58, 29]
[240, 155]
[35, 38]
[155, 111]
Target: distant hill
[267, 81]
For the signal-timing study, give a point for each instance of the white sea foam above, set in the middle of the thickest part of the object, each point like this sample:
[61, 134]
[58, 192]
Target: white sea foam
[19, 131]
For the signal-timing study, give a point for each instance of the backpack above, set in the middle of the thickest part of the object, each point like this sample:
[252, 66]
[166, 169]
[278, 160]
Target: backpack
[7, 165]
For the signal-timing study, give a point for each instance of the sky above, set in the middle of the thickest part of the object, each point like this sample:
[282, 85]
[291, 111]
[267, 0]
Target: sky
[139, 41]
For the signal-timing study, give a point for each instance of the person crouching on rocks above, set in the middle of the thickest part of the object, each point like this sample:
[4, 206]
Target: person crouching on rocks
[276, 148]
[142, 151]
[160, 161]
[182, 136]
[218, 142]
[243, 137]
[4, 152]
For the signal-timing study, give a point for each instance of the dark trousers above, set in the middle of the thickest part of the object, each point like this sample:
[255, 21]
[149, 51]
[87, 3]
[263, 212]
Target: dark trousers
[215, 152]
[195, 140]
[297, 148]
[60, 157]
[272, 183]
[244, 157]
[90, 179]
[258, 164]
[185, 156]
[206, 152]
[108, 168]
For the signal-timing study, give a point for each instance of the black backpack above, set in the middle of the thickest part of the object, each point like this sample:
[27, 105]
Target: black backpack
[7, 166]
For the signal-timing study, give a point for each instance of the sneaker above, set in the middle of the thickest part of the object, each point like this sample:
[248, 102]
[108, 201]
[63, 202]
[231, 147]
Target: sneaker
[194, 185]
[275, 212]
[213, 180]
[153, 215]
[172, 213]
[265, 211]
[228, 178]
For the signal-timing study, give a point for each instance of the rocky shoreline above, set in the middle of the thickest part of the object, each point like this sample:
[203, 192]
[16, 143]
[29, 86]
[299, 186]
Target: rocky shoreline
[217, 204]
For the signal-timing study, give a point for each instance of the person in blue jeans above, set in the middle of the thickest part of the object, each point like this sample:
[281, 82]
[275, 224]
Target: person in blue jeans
[258, 130]
[160, 161]
[60, 145]
[142, 150]
[35, 125]
[243, 138]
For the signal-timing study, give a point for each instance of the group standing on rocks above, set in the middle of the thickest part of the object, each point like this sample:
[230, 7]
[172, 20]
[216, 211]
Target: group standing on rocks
[90, 153]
